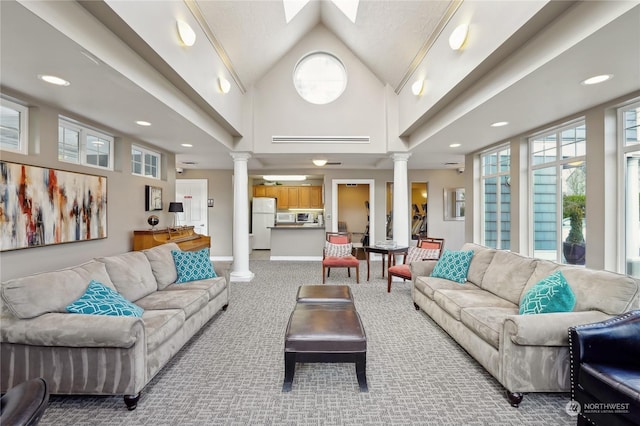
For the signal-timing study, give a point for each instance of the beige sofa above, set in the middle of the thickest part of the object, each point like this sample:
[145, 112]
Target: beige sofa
[96, 354]
[525, 353]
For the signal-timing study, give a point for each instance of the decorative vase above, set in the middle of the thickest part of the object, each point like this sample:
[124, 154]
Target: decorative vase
[574, 253]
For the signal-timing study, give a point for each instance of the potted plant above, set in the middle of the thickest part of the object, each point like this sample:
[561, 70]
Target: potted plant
[574, 247]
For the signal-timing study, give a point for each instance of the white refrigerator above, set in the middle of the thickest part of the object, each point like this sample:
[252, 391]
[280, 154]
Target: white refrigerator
[263, 217]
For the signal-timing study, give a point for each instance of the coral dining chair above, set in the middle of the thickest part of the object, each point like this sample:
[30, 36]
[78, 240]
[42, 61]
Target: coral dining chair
[426, 249]
[337, 254]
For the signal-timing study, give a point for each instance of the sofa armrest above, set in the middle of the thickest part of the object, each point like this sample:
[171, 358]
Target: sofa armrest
[546, 329]
[72, 330]
[615, 340]
[422, 268]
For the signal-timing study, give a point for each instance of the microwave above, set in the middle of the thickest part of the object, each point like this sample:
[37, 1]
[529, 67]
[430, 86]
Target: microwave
[305, 218]
[285, 218]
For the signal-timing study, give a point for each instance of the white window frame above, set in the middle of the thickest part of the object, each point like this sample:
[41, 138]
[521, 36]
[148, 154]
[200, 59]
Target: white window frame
[557, 163]
[23, 138]
[85, 132]
[623, 150]
[497, 175]
[147, 151]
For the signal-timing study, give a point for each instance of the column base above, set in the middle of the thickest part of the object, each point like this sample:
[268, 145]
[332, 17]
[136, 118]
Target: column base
[241, 276]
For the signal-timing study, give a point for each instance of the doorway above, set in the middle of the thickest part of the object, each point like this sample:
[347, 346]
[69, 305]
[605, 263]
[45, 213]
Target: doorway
[192, 193]
[419, 197]
[356, 218]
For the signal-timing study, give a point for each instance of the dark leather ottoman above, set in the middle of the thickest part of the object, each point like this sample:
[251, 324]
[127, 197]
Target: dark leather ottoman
[324, 294]
[329, 332]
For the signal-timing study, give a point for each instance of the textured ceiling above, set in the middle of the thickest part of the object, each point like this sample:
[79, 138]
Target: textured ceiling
[386, 36]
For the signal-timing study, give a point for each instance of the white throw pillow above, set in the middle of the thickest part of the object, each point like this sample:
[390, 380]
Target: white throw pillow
[337, 250]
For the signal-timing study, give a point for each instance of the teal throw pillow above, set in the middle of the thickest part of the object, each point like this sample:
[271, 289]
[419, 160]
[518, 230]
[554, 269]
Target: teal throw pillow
[551, 294]
[193, 265]
[99, 299]
[453, 265]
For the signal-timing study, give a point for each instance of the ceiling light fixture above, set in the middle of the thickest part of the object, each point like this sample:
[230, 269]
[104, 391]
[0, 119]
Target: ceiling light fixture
[499, 123]
[458, 37]
[291, 178]
[454, 145]
[52, 79]
[143, 123]
[224, 85]
[597, 79]
[319, 163]
[418, 87]
[186, 145]
[187, 36]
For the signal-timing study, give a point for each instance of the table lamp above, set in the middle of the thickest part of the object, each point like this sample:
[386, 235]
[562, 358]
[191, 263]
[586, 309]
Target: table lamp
[175, 208]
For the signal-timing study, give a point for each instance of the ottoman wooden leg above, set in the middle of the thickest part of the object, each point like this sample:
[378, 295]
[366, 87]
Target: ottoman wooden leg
[289, 371]
[361, 371]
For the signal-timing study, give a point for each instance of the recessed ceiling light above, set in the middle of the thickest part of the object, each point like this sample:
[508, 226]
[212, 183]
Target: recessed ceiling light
[499, 123]
[186, 145]
[319, 163]
[52, 79]
[597, 79]
[454, 145]
[143, 123]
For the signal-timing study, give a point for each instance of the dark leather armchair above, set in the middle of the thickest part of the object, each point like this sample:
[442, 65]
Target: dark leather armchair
[24, 404]
[605, 370]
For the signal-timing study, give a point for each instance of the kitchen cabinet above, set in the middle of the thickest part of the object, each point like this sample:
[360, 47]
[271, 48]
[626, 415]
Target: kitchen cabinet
[291, 197]
[292, 194]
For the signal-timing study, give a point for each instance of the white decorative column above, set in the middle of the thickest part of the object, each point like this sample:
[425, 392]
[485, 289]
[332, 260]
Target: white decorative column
[400, 199]
[240, 270]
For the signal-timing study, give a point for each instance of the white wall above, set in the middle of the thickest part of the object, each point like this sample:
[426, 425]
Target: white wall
[279, 110]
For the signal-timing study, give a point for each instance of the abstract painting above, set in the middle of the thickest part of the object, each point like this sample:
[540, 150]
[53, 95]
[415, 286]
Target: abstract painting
[41, 206]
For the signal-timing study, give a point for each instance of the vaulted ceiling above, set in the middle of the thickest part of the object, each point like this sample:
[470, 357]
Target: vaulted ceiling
[524, 65]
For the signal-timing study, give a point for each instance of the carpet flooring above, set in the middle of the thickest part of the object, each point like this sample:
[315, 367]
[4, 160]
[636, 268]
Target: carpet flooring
[231, 372]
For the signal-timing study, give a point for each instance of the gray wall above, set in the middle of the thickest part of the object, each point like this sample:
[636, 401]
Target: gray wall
[125, 192]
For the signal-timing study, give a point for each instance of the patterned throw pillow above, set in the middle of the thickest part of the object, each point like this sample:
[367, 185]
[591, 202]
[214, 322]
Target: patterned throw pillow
[99, 299]
[337, 250]
[416, 254]
[193, 265]
[551, 294]
[453, 265]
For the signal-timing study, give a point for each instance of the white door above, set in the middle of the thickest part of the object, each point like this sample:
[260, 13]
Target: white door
[192, 193]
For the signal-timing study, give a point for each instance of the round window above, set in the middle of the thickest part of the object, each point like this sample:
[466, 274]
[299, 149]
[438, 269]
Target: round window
[320, 78]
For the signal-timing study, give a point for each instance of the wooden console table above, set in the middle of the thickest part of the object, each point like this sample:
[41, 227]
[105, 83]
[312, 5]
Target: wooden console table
[185, 237]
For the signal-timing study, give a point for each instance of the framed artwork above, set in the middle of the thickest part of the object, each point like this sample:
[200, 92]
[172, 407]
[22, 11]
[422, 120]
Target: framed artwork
[41, 206]
[152, 198]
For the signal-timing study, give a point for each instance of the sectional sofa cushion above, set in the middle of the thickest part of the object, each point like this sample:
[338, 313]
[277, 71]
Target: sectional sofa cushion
[481, 259]
[507, 274]
[161, 325]
[454, 301]
[162, 264]
[190, 301]
[213, 287]
[32, 296]
[428, 285]
[619, 295]
[131, 274]
[99, 299]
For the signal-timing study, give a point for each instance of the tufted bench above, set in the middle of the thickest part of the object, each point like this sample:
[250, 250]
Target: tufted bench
[324, 330]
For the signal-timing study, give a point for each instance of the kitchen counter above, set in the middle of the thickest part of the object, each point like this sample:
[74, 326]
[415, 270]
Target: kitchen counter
[297, 241]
